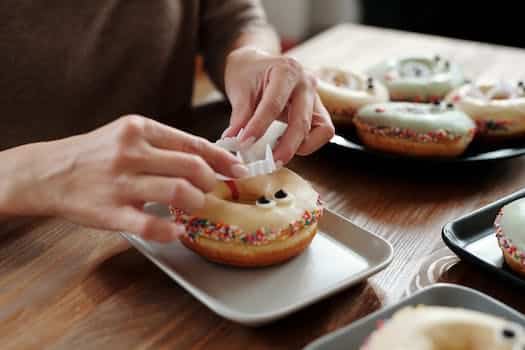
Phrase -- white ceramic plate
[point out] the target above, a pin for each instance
(340, 255)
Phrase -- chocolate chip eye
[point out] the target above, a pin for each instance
(280, 194)
(436, 103)
(521, 83)
(447, 64)
(263, 200)
(508, 333)
(450, 106)
(437, 58)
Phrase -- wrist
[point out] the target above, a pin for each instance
(23, 191)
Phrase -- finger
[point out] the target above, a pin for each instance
(283, 79)
(322, 130)
(242, 111)
(149, 227)
(222, 161)
(146, 188)
(182, 165)
(299, 122)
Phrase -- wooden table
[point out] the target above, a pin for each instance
(69, 287)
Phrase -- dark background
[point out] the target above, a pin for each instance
(497, 22)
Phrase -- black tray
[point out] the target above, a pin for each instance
(474, 154)
(472, 238)
(354, 335)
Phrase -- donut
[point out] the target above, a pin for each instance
(498, 108)
(343, 93)
(511, 238)
(445, 328)
(256, 221)
(418, 78)
(415, 129)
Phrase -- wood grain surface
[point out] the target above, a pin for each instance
(67, 287)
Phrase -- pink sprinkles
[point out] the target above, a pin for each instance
(196, 227)
(506, 244)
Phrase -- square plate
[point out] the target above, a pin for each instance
(472, 237)
(353, 336)
(340, 255)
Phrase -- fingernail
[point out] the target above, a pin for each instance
(225, 132)
(248, 142)
(239, 170)
(178, 230)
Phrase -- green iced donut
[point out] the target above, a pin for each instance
(419, 78)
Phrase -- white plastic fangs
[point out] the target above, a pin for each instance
(258, 158)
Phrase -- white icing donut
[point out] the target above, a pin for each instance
(414, 129)
(510, 234)
(442, 328)
(418, 78)
(254, 221)
(498, 108)
(344, 92)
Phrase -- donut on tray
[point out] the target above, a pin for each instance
(418, 78)
(498, 108)
(511, 236)
(415, 129)
(445, 328)
(255, 221)
(344, 92)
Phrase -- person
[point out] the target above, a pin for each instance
(112, 74)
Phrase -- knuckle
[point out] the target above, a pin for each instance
(330, 130)
(195, 145)
(180, 189)
(274, 107)
(125, 156)
(131, 126)
(196, 164)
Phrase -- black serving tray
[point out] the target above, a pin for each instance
(472, 238)
(476, 153)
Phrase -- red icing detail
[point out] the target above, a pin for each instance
(417, 99)
(380, 110)
(456, 98)
(233, 189)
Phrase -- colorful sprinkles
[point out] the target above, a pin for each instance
(196, 227)
(506, 244)
(431, 136)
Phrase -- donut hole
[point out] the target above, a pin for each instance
(340, 79)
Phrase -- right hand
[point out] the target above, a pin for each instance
(102, 178)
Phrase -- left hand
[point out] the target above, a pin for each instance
(262, 88)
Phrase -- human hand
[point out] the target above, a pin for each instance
(102, 179)
(262, 88)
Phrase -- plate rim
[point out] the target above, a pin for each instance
(317, 343)
(338, 141)
(257, 319)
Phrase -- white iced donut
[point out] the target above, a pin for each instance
(511, 236)
(254, 221)
(344, 92)
(418, 78)
(443, 328)
(498, 108)
(415, 129)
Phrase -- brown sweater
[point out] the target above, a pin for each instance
(69, 66)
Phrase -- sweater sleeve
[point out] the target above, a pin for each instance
(221, 23)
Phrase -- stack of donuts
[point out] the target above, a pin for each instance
(422, 106)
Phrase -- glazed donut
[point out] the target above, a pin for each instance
(511, 238)
(419, 78)
(497, 108)
(255, 221)
(445, 328)
(344, 92)
(415, 129)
